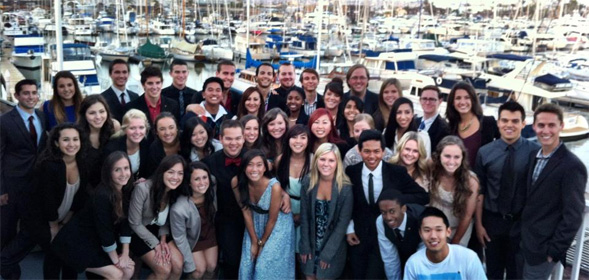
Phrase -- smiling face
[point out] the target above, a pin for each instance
(390, 94)
(309, 82)
(548, 127)
(96, 115)
(232, 140)
(255, 169)
(173, 176)
(430, 102)
(321, 127)
(286, 75)
(167, 131)
(410, 153)
(451, 158)
(294, 101)
(68, 142)
(351, 111)
(358, 80)
(121, 173)
(136, 130)
(510, 125)
(277, 127)
(251, 131)
(119, 75)
(27, 97)
(331, 100)
(298, 143)
(404, 115)
(371, 153)
(359, 127)
(462, 102)
(179, 75)
(199, 181)
(253, 103)
(66, 89)
(199, 137)
(392, 212)
(434, 234)
(153, 87)
(327, 164)
(227, 74)
(213, 94)
(265, 76)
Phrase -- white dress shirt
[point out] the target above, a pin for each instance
(377, 183)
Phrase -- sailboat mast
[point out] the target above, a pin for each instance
(183, 18)
(320, 26)
(58, 35)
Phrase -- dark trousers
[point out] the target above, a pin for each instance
(230, 239)
(53, 266)
(501, 251)
(365, 261)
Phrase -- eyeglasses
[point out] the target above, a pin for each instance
(425, 100)
(358, 78)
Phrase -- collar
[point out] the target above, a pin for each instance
(377, 172)
(539, 155)
(118, 91)
(219, 114)
(503, 145)
(314, 101)
(403, 225)
(158, 104)
(430, 120)
(178, 89)
(25, 115)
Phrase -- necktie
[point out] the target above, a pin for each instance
(421, 126)
(370, 189)
(398, 234)
(123, 99)
(33, 130)
(181, 102)
(230, 161)
(506, 183)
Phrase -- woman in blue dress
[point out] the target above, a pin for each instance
(65, 104)
(268, 242)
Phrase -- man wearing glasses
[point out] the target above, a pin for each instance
(431, 122)
(357, 79)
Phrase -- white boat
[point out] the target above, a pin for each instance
(162, 27)
(78, 59)
(183, 50)
(14, 25)
(80, 26)
(28, 52)
(401, 65)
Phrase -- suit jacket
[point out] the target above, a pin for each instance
(411, 239)
(168, 105)
(141, 215)
(120, 144)
(554, 207)
(185, 226)
(18, 152)
(235, 99)
(334, 248)
(114, 102)
(370, 101)
(438, 130)
(364, 215)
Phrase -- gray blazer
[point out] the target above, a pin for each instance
(340, 213)
(185, 226)
(141, 215)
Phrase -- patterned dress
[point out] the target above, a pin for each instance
(276, 260)
(321, 216)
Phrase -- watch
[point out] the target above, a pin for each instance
(260, 242)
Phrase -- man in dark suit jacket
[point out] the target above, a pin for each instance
(178, 91)
(555, 197)
(152, 103)
(436, 127)
(22, 138)
(119, 74)
(265, 77)
(369, 179)
(398, 232)
(310, 80)
(357, 79)
(231, 97)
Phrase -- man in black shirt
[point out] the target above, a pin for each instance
(178, 91)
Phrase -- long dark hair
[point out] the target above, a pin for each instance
(210, 194)
(119, 200)
(158, 188)
(57, 104)
(392, 124)
(452, 114)
(269, 143)
(107, 129)
(243, 180)
(164, 115)
(244, 120)
(242, 111)
(52, 152)
(186, 141)
(283, 170)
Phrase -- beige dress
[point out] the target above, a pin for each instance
(444, 203)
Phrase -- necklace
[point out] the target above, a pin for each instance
(467, 126)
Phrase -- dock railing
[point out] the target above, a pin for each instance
(577, 247)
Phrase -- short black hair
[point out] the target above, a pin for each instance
(229, 124)
(265, 64)
(434, 88)
(24, 82)
(512, 106)
(393, 195)
(549, 108)
(177, 62)
(433, 212)
(115, 62)
(213, 80)
(368, 135)
(224, 62)
(151, 71)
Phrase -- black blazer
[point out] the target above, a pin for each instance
(168, 105)
(52, 184)
(365, 215)
(370, 101)
(235, 99)
(120, 144)
(438, 130)
(117, 110)
(18, 152)
(411, 239)
(553, 211)
(156, 155)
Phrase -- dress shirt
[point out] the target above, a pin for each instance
(118, 93)
(154, 111)
(311, 107)
(489, 167)
(388, 250)
(36, 121)
(377, 183)
(428, 122)
(541, 161)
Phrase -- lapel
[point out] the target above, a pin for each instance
(18, 121)
(553, 162)
(433, 129)
(333, 202)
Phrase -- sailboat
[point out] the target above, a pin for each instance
(117, 49)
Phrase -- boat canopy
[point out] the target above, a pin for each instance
(507, 56)
(150, 50)
(551, 80)
(439, 58)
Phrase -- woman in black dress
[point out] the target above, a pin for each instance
(99, 224)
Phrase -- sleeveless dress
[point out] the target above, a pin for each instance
(294, 191)
(207, 238)
(321, 217)
(445, 204)
(276, 260)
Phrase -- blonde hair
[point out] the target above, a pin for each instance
(366, 118)
(422, 166)
(131, 114)
(340, 176)
(384, 109)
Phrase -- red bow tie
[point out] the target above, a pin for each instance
(230, 161)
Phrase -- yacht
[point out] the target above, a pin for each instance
(78, 59)
(28, 52)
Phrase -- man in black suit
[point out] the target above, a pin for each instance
(398, 232)
(286, 77)
(310, 80)
(430, 99)
(357, 79)
(369, 179)
(231, 98)
(178, 91)
(265, 77)
(117, 95)
(22, 139)
(555, 198)
(152, 103)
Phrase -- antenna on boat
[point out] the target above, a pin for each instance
(58, 35)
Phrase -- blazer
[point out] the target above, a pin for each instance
(335, 246)
(155, 156)
(185, 226)
(553, 211)
(52, 183)
(141, 215)
(18, 152)
(370, 101)
(117, 110)
(438, 130)
(168, 105)
(235, 99)
(120, 144)
(364, 215)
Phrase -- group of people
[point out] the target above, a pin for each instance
(282, 182)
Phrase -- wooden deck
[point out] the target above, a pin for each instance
(10, 73)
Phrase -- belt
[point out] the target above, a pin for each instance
(506, 217)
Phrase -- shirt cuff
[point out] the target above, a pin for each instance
(125, 239)
(350, 227)
(110, 248)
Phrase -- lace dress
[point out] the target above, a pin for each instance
(445, 204)
(321, 216)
